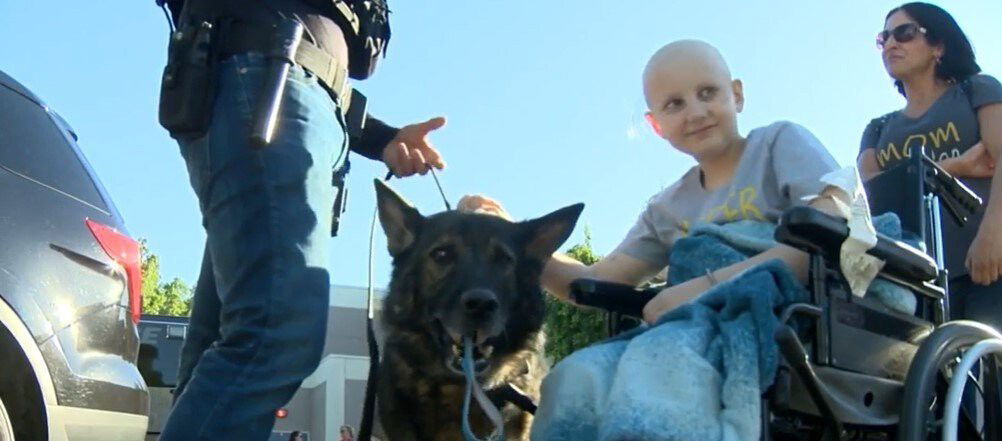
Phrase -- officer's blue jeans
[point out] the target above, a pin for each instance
(259, 314)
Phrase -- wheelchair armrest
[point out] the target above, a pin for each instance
(813, 231)
(611, 297)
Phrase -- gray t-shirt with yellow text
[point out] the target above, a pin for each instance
(947, 129)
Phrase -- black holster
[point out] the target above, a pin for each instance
(187, 88)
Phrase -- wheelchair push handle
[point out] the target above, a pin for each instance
(612, 297)
(959, 200)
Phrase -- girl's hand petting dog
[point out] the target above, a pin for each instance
(475, 203)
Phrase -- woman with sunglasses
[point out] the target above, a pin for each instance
(955, 112)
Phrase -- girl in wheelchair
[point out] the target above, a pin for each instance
(750, 181)
(610, 391)
(693, 104)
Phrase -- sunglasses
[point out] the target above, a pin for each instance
(902, 34)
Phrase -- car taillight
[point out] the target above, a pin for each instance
(124, 251)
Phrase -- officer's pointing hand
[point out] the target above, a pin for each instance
(410, 151)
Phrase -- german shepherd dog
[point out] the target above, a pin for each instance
(459, 275)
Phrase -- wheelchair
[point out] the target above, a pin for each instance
(853, 368)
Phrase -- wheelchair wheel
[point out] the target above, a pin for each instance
(928, 379)
(6, 430)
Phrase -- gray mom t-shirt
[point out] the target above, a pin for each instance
(781, 163)
(947, 129)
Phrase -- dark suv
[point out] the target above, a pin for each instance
(70, 287)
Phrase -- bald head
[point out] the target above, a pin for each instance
(687, 58)
(692, 100)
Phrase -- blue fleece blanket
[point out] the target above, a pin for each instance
(696, 374)
(711, 246)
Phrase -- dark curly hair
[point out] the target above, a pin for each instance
(958, 61)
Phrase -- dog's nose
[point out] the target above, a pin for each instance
(479, 302)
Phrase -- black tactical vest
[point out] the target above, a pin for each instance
(366, 27)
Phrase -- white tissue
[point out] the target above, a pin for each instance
(859, 268)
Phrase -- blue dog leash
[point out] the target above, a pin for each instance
(473, 388)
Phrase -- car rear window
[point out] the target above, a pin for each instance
(31, 144)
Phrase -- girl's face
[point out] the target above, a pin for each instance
(694, 108)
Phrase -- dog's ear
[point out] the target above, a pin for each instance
(544, 235)
(400, 220)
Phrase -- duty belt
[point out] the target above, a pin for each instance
(240, 37)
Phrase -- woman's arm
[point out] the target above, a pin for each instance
(866, 161)
(984, 258)
(867, 164)
(976, 162)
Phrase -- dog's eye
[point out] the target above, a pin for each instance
(443, 255)
(502, 257)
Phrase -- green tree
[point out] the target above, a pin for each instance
(569, 327)
(170, 298)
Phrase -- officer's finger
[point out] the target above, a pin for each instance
(432, 124)
(431, 156)
(417, 162)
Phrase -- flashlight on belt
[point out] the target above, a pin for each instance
(281, 57)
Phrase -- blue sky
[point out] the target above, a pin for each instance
(543, 100)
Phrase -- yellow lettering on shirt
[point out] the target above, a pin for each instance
(942, 137)
(747, 204)
(942, 134)
(746, 209)
(885, 154)
(918, 138)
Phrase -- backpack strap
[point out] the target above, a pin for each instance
(967, 87)
(880, 123)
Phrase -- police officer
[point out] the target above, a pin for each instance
(259, 314)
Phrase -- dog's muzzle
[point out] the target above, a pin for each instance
(481, 358)
(476, 316)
